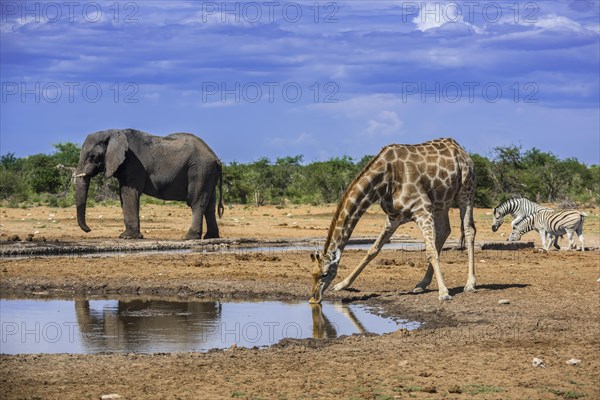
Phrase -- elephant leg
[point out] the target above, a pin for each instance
(199, 205)
(195, 231)
(130, 202)
(212, 229)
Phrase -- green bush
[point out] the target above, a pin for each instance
(537, 175)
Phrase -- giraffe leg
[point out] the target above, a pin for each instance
(465, 203)
(390, 227)
(442, 231)
(430, 226)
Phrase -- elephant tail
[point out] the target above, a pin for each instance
(220, 209)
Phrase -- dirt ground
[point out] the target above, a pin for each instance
(470, 347)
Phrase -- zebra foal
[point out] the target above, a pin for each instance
(519, 208)
(549, 222)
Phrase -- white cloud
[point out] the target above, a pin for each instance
(387, 123)
(303, 139)
(446, 57)
(434, 14)
(437, 14)
(359, 106)
(152, 96)
(558, 23)
(552, 22)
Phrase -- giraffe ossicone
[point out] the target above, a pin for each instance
(412, 183)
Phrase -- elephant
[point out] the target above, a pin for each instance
(175, 167)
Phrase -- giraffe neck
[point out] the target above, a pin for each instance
(353, 205)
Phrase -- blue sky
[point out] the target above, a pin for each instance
(321, 79)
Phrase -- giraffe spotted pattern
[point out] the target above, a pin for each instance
(412, 183)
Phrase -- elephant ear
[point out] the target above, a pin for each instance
(115, 152)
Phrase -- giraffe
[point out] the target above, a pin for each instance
(412, 183)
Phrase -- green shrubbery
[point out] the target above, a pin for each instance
(43, 179)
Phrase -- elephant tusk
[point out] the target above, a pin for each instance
(81, 175)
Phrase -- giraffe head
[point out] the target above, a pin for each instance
(323, 272)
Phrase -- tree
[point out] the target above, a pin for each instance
(330, 178)
(66, 154)
(507, 168)
(235, 186)
(41, 174)
(484, 192)
(285, 171)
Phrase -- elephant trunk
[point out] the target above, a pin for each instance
(82, 184)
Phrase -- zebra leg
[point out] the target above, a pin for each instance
(579, 232)
(555, 242)
(515, 222)
(571, 240)
(544, 237)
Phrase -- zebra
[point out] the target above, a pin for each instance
(549, 222)
(519, 208)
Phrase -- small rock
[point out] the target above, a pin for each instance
(538, 362)
(573, 361)
(36, 232)
(598, 280)
(503, 301)
(100, 216)
(111, 396)
(289, 215)
(455, 389)
(502, 234)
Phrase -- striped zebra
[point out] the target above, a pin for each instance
(518, 208)
(549, 222)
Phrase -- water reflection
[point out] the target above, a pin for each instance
(135, 324)
(150, 325)
(322, 327)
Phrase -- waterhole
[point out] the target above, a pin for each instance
(28, 250)
(155, 326)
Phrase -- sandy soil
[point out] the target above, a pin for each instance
(160, 222)
(471, 347)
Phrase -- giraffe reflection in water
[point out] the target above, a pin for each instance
(323, 328)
